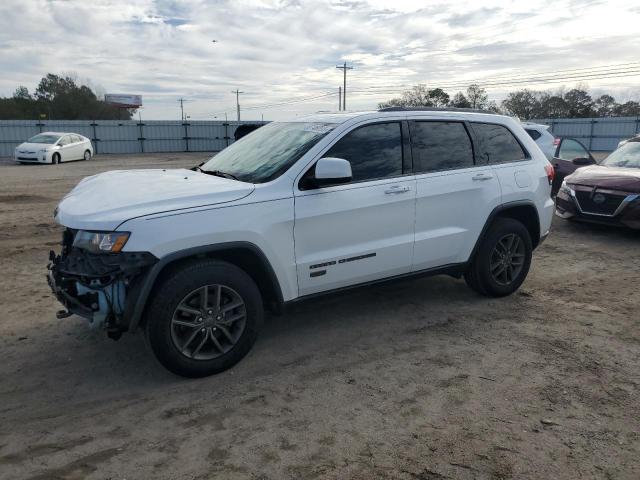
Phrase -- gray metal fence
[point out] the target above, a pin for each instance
(597, 134)
(127, 136)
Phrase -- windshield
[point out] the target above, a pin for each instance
(42, 138)
(627, 156)
(267, 152)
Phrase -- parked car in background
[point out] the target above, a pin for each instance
(543, 138)
(54, 147)
(245, 129)
(622, 142)
(605, 193)
(569, 155)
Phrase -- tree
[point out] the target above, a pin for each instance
(579, 103)
(552, 106)
(522, 103)
(460, 101)
(59, 97)
(628, 109)
(418, 96)
(438, 97)
(477, 96)
(604, 105)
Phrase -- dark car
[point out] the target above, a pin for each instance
(605, 193)
(570, 155)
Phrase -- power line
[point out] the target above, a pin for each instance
(494, 82)
(591, 73)
(514, 76)
(344, 69)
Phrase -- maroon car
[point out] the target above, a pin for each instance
(605, 193)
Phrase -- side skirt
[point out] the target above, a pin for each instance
(455, 270)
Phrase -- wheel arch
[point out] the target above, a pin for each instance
(523, 211)
(247, 256)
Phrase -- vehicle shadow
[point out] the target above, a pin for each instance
(383, 317)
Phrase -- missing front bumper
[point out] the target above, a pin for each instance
(96, 286)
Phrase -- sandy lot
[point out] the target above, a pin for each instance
(416, 380)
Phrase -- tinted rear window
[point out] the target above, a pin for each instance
(440, 146)
(497, 144)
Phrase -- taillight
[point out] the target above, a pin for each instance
(551, 172)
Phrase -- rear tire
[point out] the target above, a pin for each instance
(204, 318)
(55, 159)
(87, 155)
(502, 260)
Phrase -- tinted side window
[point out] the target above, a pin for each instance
(66, 140)
(533, 133)
(571, 149)
(375, 151)
(497, 144)
(440, 146)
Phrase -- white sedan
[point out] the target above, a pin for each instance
(54, 147)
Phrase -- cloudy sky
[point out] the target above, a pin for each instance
(283, 53)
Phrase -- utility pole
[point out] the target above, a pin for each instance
(181, 108)
(339, 98)
(237, 92)
(344, 69)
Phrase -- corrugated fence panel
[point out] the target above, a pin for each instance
(127, 136)
(117, 137)
(597, 134)
(164, 137)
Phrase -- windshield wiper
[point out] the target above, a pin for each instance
(217, 173)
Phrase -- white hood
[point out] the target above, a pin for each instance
(34, 147)
(104, 201)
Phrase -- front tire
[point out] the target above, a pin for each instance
(502, 260)
(204, 318)
(55, 159)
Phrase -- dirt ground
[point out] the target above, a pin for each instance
(421, 379)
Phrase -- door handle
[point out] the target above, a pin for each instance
(481, 177)
(396, 189)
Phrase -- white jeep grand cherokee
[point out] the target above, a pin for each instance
(297, 209)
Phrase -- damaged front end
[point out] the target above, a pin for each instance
(97, 285)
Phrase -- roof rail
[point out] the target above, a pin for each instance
(435, 109)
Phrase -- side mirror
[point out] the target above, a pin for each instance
(582, 161)
(332, 171)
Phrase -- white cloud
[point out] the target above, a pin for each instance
(278, 50)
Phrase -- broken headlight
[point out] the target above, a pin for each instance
(101, 242)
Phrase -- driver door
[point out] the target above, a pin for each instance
(359, 231)
(66, 148)
(563, 161)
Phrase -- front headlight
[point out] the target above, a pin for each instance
(565, 188)
(43, 150)
(101, 242)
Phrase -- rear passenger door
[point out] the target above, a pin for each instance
(499, 148)
(76, 146)
(454, 195)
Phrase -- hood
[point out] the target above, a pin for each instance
(34, 147)
(104, 201)
(624, 179)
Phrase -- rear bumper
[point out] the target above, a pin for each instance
(626, 215)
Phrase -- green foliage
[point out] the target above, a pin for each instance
(525, 104)
(59, 98)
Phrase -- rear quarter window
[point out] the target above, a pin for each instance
(533, 133)
(496, 144)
